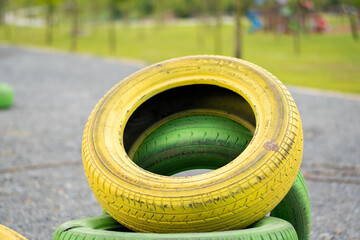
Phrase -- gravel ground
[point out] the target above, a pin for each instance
(41, 176)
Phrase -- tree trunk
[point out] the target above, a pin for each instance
(159, 13)
(49, 22)
(112, 36)
(8, 32)
(112, 27)
(203, 27)
(297, 42)
(354, 26)
(296, 31)
(2, 11)
(7, 27)
(75, 25)
(94, 15)
(218, 27)
(238, 29)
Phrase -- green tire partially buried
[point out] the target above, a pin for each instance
(106, 228)
(6, 95)
(295, 208)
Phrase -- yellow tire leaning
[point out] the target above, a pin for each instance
(230, 197)
(9, 234)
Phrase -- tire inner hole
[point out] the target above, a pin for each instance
(191, 143)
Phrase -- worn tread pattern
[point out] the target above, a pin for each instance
(153, 214)
(191, 142)
(295, 208)
(235, 205)
(130, 206)
(106, 228)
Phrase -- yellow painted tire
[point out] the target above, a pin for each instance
(9, 234)
(230, 197)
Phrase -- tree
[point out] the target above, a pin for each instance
(50, 8)
(240, 6)
(202, 13)
(218, 27)
(2, 11)
(74, 11)
(296, 24)
(95, 8)
(238, 29)
(159, 7)
(216, 8)
(113, 9)
(352, 10)
(354, 3)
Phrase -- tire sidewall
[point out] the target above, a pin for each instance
(265, 171)
(258, 87)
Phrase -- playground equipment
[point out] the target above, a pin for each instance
(255, 22)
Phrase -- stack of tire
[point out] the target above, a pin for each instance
(197, 112)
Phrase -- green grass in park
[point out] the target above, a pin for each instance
(328, 61)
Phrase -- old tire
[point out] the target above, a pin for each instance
(190, 141)
(178, 144)
(6, 95)
(231, 197)
(9, 234)
(106, 228)
(295, 208)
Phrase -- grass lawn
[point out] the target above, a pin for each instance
(328, 61)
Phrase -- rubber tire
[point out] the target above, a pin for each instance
(6, 95)
(190, 142)
(189, 122)
(106, 228)
(9, 234)
(104, 213)
(184, 138)
(231, 197)
(295, 208)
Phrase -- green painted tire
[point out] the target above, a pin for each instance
(295, 208)
(199, 141)
(106, 228)
(6, 95)
(164, 159)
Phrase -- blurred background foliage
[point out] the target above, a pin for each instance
(305, 43)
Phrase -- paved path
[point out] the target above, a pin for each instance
(42, 182)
